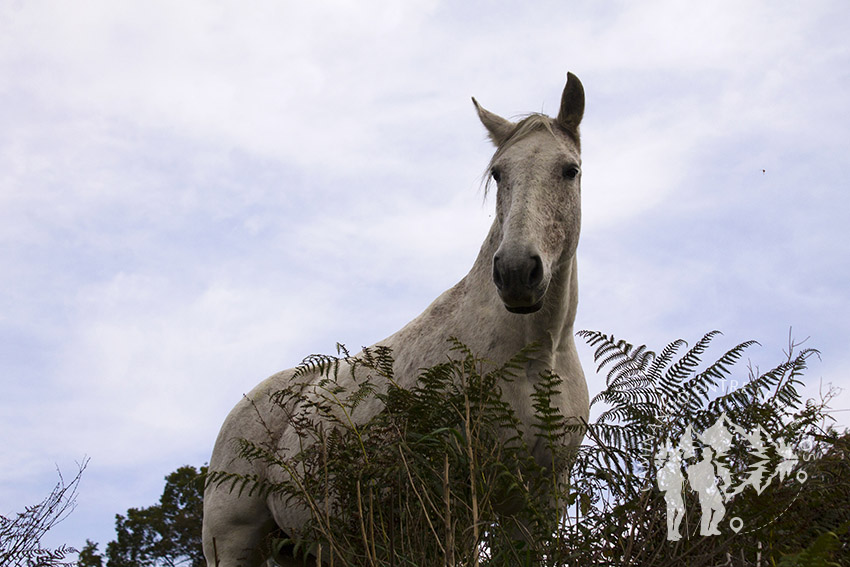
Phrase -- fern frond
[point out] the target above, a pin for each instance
(322, 364)
(661, 361)
(687, 364)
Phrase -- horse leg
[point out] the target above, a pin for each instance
(236, 528)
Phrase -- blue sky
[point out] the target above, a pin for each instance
(196, 195)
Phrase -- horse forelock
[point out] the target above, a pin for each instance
(525, 127)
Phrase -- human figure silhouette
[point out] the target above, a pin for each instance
(702, 476)
(671, 481)
(719, 438)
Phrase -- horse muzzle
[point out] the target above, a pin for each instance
(521, 281)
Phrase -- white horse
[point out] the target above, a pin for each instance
(522, 289)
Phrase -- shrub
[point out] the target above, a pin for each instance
(426, 481)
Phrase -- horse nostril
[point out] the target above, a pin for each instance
(497, 274)
(535, 276)
(519, 276)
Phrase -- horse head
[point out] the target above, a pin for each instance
(537, 171)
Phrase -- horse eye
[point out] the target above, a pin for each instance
(569, 172)
(496, 174)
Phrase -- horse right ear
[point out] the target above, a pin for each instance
(498, 128)
(572, 105)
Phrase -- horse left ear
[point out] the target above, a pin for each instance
(572, 105)
(499, 128)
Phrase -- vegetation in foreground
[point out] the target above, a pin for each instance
(422, 483)
(425, 481)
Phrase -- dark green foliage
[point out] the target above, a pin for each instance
(89, 557)
(651, 398)
(442, 471)
(165, 534)
(818, 552)
(441, 474)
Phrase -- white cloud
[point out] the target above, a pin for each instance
(282, 79)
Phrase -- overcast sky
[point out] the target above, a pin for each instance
(195, 195)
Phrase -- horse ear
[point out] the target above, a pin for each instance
(572, 105)
(498, 128)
